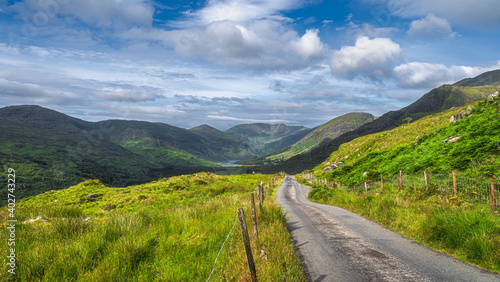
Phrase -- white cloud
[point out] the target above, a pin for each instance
(427, 75)
(430, 26)
(221, 42)
(309, 45)
(259, 45)
(368, 57)
(242, 10)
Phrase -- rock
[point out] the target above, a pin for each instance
(38, 219)
(460, 115)
(333, 166)
(263, 254)
(452, 139)
(366, 173)
(346, 157)
(89, 218)
(491, 97)
(92, 196)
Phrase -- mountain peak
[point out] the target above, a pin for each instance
(40, 115)
(204, 128)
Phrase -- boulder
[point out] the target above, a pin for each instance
(492, 97)
(452, 139)
(460, 115)
(333, 166)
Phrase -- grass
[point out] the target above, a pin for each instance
(167, 230)
(468, 232)
(418, 146)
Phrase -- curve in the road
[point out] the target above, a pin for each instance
(337, 245)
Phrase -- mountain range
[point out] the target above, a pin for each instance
(437, 100)
(51, 150)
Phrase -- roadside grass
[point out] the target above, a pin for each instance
(167, 230)
(468, 232)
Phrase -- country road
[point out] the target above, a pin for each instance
(337, 245)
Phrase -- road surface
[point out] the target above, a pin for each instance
(337, 245)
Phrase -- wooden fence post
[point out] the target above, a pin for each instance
(400, 178)
(254, 216)
(246, 242)
(366, 188)
(382, 182)
(455, 184)
(399, 183)
(426, 179)
(493, 202)
(260, 197)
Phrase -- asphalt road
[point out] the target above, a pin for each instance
(337, 245)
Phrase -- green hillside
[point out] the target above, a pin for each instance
(167, 230)
(324, 133)
(258, 135)
(420, 145)
(437, 100)
(50, 150)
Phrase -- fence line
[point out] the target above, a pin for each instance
(261, 191)
(449, 185)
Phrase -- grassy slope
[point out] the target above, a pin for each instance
(415, 147)
(328, 131)
(167, 230)
(437, 100)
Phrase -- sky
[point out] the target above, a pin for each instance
(229, 62)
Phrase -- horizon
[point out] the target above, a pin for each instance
(228, 62)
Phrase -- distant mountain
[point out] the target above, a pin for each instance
(222, 145)
(285, 142)
(51, 150)
(144, 138)
(260, 135)
(324, 133)
(437, 100)
(487, 78)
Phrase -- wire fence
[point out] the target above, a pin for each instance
(265, 190)
(449, 185)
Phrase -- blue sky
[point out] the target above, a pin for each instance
(227, 62)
